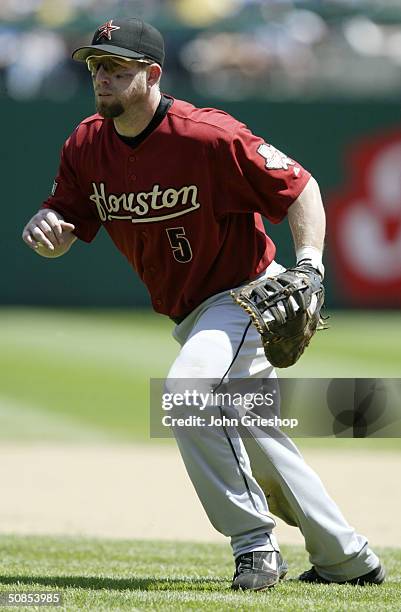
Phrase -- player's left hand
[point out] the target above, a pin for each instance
(285, 310)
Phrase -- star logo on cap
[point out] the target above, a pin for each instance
(106, 29)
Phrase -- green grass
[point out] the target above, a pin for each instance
(123, 575)
(90, 369)
(357, 344)
(68, 375)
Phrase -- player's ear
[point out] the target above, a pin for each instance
(154, 74)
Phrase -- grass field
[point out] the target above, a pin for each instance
(85, 374)
(119, 575)
(69, 376)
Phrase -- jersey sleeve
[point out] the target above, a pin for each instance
(262, 179)
(68, 199)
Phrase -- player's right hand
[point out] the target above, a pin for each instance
(48, 234)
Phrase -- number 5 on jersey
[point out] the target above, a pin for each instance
(180, 245)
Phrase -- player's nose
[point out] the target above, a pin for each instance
(102, 75)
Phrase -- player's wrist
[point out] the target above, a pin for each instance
(312, 256)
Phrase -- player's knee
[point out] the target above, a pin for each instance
(189, 367)
(188, 387)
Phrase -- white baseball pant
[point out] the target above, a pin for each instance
(223, 468)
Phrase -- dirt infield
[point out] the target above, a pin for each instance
(143, 492)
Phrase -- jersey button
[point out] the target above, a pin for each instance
(158, 302)
(132, 158)
(144, 234)
(133, 177)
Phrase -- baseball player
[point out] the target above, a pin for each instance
(181, 191)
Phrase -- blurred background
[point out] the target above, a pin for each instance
(321, 80)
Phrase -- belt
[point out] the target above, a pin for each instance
(178, 320)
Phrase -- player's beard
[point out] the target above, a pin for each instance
(109, 111)
(115, 109)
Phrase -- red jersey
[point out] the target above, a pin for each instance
(184, 206)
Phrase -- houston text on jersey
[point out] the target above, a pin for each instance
(140, 205)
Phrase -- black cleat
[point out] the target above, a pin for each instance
(376, 576)
(258, 570)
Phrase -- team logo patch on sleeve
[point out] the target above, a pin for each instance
(275, 159)
(54, 187)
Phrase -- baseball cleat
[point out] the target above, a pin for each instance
(376, 576)
(258, 570)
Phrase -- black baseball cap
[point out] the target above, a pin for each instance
(131, 38)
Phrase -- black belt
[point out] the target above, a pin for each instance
(178, 320)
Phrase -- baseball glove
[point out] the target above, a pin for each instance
(285, 309)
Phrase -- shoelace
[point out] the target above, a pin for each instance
(246, 563)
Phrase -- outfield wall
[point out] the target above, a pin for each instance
(344, 145)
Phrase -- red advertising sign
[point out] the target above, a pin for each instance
(364, 223)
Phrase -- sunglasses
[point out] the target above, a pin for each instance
(110, 63)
